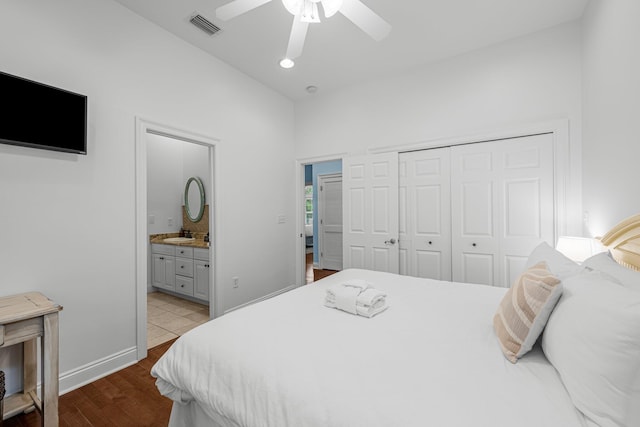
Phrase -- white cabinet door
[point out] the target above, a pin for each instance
(370, 212)
(163, 271)
(425, 207)
(330, 221)
(201, 276)
(502, 206)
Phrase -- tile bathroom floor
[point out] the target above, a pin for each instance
(168, 317)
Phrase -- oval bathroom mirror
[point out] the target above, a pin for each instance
(194, 199)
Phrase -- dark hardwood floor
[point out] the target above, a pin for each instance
(126, 398)
(313, 274)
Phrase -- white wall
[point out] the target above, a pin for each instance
(67, 223)
(165, 183)
(611, 115)
(170, 164)
(528, 80)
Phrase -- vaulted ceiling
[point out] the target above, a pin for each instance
(337, 53)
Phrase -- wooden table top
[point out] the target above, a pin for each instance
(14, 308)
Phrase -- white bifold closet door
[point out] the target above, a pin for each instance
(502, 206)
(425, 220)
(370, 212)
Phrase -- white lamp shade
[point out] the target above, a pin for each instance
(578, 248)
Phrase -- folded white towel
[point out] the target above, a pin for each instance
(345, 298)
(356, 297)
(370, 312)
(360, 284)
(371, 298)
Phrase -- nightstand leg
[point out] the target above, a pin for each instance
(30, 366)
(50, 370)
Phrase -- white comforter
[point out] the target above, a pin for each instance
(431, 359)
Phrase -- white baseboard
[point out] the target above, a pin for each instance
(90, 372)
(266, 297)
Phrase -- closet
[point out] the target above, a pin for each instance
(473, 212)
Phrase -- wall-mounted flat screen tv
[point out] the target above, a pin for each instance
(35, 115)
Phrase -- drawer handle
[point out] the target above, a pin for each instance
(182, 286)
(182, 266)
(474, 245)
(162, 258)
(206, 265)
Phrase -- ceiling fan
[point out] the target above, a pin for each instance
(305, 12)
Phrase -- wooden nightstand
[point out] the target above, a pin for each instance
(24, 318)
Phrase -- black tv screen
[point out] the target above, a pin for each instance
(35, 115)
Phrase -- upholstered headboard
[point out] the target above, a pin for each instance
(623, 241)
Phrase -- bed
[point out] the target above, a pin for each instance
(431, 359)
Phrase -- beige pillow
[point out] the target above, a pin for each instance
(525, 309)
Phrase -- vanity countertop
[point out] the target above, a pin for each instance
(197, 243)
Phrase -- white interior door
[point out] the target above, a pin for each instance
(330, 221)
(370, 212)
(425, 208)
(527, 201)
(502, 206)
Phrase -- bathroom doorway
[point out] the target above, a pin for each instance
(175, 291)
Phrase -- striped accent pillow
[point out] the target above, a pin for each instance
(525, 309)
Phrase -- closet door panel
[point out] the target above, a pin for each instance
(522, 208)
(474, 213)
(478, 268)
(429, 264)
(425, 207)
(477, 209)
(528, 201)
(404, 242)
(502, 206)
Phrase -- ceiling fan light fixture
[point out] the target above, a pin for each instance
(310, 12)
(287, 63)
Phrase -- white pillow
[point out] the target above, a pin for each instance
(558, 264)
(605, 263)
(592, 338)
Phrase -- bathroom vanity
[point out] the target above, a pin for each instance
(181, 269)
(180, 262)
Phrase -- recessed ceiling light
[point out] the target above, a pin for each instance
(287, 63)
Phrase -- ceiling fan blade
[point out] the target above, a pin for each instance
(237, 7)
(365, 18)
(297, 37)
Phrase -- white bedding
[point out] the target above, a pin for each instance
(431, 359)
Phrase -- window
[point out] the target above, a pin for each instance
(308, 203)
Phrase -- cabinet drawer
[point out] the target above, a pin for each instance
(184, 267)
(163, 249)
(184, 285)
(184, 252)
(202, 254)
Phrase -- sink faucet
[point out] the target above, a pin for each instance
(187, 233)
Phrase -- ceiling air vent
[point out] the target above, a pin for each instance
(204, 24)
